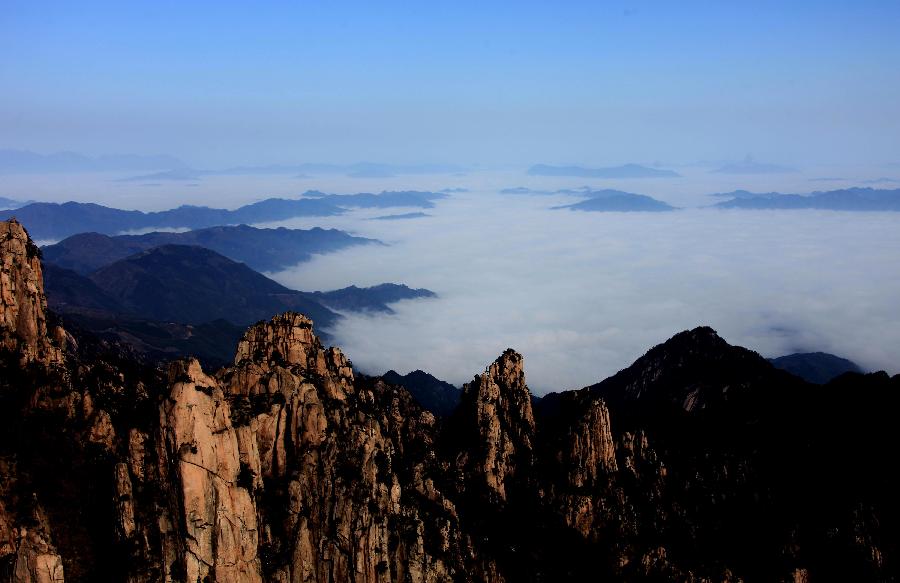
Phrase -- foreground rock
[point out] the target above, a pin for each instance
(700, 462)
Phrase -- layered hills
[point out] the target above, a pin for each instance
(699, 462)
(47, 220)
(260, 249)
(848, 199)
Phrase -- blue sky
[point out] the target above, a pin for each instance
(500, 83)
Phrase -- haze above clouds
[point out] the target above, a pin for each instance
(764, 96)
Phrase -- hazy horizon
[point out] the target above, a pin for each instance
(794, 98)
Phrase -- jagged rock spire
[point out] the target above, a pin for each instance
(497, 407)
(23, 307)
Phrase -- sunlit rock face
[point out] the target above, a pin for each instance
(700, 462)
(23, 307)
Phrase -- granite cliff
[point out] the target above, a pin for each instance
(700, 462)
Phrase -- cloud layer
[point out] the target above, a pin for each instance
(581, 295)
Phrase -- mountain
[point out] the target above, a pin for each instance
(385, 199)
(47, 220)
(155, 300)
(815, 367)
(370, 299)
(8, 203)
(617, 201)
(624, 171)
(749, 166)
(848, 199)
(23, 161)
(699, 462)
(57, 221)
(433, 394)
(180, 283)
(523, 190)
(400, 217)
(261, 249)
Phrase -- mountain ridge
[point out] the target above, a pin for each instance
(700, 461)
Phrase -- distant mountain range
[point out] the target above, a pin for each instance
(260, 249)
(624, 171)
(700, 461)
(190, 284)
(617, 201)
(816, 367)
(154, 294)
(386, 199)
(369, 299)
(582, 191)
(23, 161)
(848, 199)
(439, 397)
(8, 203)
(47, 220)
(400, 217)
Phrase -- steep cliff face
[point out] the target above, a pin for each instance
(700, 462)
(23, 318)
(498, 426)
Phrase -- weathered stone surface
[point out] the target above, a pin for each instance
(287, 466)
(219, 516)
(498, 406)
(23, 307)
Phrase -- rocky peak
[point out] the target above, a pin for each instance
(496, 406)
(693, 371)
(287, 341)
(592, 449)
(23, 307)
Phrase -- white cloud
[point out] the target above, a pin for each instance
(581, 295)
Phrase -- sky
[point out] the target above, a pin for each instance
(495, 87)
(473, 83)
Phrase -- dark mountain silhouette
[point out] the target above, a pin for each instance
(47, 220)
(261, 249)
(848, 199)
(439, 397)
(85, 306)
(180, 283)
(815, 367)
(57, 221)
(385, 199)
(617, 201)
(699, 462)
(154, 299)
(370, 299)
(400, 217)
(624, 171)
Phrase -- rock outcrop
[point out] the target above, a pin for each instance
(23, 307)
(700, 462)
(496, 411)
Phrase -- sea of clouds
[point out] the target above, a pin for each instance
(582, 295)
